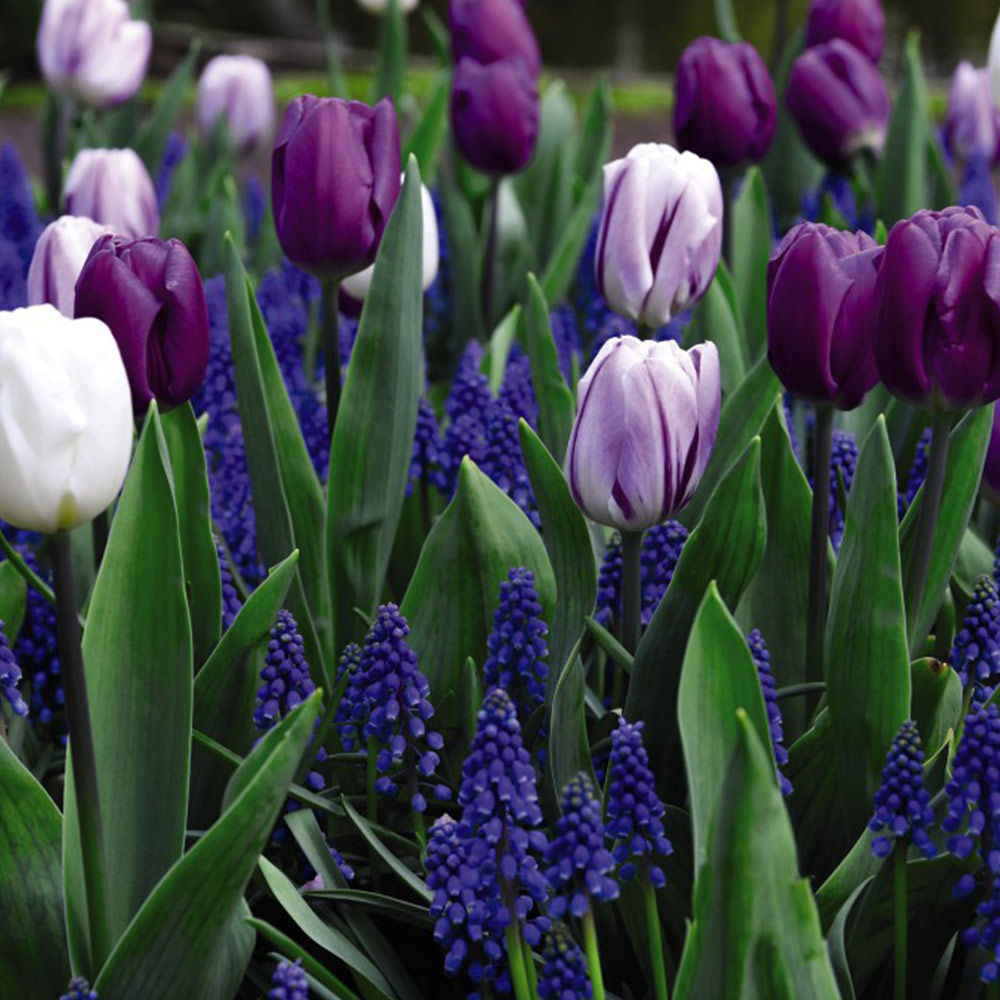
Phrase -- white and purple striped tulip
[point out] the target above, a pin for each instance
(238, 89)
(660, 234)
(60, 254)
(113, 187)
(647, 418)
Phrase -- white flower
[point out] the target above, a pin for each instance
(113, 187)
(239, 89)
(60, 254)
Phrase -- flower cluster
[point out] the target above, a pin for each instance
(19, 228)
(289, 982)
(986, 934)
(426, 458)
(975, 653)
(974, 792)
(843, 461)
(918, 471)
(79, 989)
(231, 603)
(10, 676)
(762, 661)
(902, 804)
(564, 974)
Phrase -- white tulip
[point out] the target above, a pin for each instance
(65, 419)
(60, 254)
(239, 89)
(113, 187)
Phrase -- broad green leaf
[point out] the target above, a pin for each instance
(568, 748)
(755, 931)
(857, 868)
(975, 559)
(373, 438)
(494, 362)
(717, 679)
(717, 318)
(172, 946)
(138, 662)
(428, 136)
(151, 141)
(595, 132)
(726, 547)
(33, 960)
(466, 276)
(13, 600)
(751, 250)
(943, 192)
(455, 588)
(562, 264)
(838, 945)
(937, 702)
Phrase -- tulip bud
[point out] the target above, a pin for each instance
(820, 314)
(334, 182)
(647, 417)
(238, 89)
(971, 127)
(839, 101)
(113, 187)
(487, 31)
(494, 114)
(660, 233)
(59, 257)
(92, 51)
(860, 22)
(725, 103)
(937, 301)
(993, 62)
(65, 422)
(356, 285)
(149, 293)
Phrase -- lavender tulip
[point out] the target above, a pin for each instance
(839, 101)
(660, 233)
(487, 31)
(92, 51)
(238, 89)
(113, 187)
(971, 128)
(645, 427)
(820, 314)
(937, 298)
(334, 182)
(725, 104)
(59, 257)
(860, 22)
(494, 113)
(150, 294)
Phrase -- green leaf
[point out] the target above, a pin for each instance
(201, 562)
(562, 264)
(466, 280)
(373, 438)
(138, 662)
(334, 71)
(726, 547)
(975, 559)
(151, 141)
(568, 747)
(755, 932)
(613, 649)
(851, 874)
(33, 960)
(455, 588)
(390, 65)
(388, 906)
(494, 362)
(838, 945)
(13, 600)
(595, 134)
(751, 250)
(725, 21)
(175, 941)
(717, 679)
(937, 702)
(717, 318)
(428, 136)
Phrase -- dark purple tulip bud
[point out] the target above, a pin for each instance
(820, 315)
(937, 299)
(840, 102)
(149, 293)
(860, 22)
(334, 182)
(991, 471)
(494, 114)
(725, 102)
(486, 31)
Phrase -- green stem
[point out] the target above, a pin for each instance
(631, 589)
(100, 528)
(794, 690)
(818, 550)
(81, 742)
(331, 350)
(30, 577)
(334, 73)
(529, 965)
(515, 958)
(371, 800)
(655, 940)
(899, 919)
(993, 990)
(490, 259)
(57, 134)
(930, 504)
(390, 64)
(593, 955)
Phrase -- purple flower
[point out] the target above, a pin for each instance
(149, 293)
(239, 90)
(231, 603)
(860, 22)
(975, 652)
(971, 128)
(725, 105)
(487, 31)
(645, 427)
(10, 676)
(61, 252)
(820, 314)
(840, 102)
(289, 982)
(762, 661)
(79, 989)
(334, 182)
(937, 305)
(564, 974)
(843, 461)
(113, 187)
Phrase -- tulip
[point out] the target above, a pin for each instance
(356, 286)
(660, 233)
(150, 294)
(993, 62)
(860, 22)
(239, 90)
(820, 314)
(91, 50)
(971, 127)
(334, 182)
(113, 187)
(65, 422)
(59, 256)
(487, 31)
(839, 101)
(725, 105)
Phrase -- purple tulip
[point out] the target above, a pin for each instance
(487, 31)
(937, 301)
(660, 233)
(725, 102)
(860, 22)
(991, 470)
(972, 127)
(238, 89)
(334, 182)
(149, 293)
(840, 102)
(60, 254)
(820, 314)
(494, 114)
(113, 187)
(645, 427)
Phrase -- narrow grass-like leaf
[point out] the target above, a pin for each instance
(717, 318)
(151, 141)
(429, 133)
(13, 600)
(751, 250)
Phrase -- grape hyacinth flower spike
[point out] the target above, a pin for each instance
(79, 989)
(975, 652)
(564, 974)
(762, 661)
(10, 677)
(289, 982)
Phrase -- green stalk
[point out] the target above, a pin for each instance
(30, 577)
(371, 800)
(794, 690)
(390, 65)
(593, 955)
(331, 350)
(899, 920)
(490, 261)
(515, 957)
(334, 73)
(529, 965)
(100, 527)
(631, 589)
(818, 550)
(655, 944)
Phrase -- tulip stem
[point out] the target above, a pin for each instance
(920, 563)
(100, 528)
(653, 933)
(334, 73)
(593, 954)
(819, 550)
(631, 589)
(331, 351)
(81, 742)
(490, 258)
(899, 919)
(56, 133)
